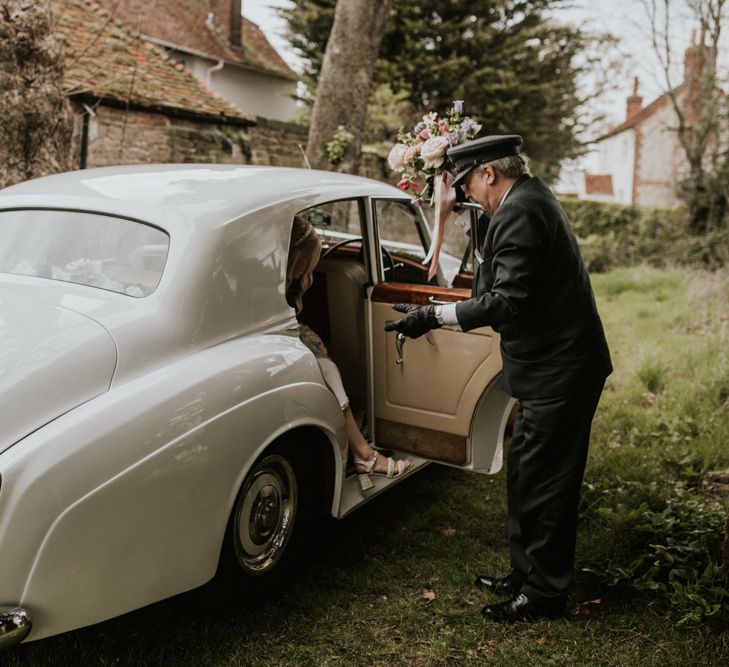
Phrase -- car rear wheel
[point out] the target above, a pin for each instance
(266, 539)
(265, 515)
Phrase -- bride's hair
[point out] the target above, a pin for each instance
(304, 244)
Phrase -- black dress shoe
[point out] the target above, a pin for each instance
(520, 609)
(500, 585)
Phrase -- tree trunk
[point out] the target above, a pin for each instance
(35, 119)
(344, 84)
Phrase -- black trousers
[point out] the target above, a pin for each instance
(545, 465)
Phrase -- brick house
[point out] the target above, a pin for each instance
(641, 162)
(228, 53)
(133, 102)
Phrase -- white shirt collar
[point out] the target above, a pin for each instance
(505, 195)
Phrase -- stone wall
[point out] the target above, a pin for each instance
(117, 136)
(277, 143)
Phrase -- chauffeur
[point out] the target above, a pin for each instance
(533, 289)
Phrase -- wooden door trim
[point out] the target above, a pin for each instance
(417, 294)
(433, 445)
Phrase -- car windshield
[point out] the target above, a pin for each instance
(84, 248)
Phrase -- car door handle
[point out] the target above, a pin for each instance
(399, 342)
(399, 265)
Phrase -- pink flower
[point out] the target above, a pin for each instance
(424, 134)
(410, 153)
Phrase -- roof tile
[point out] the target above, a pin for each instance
(106, 59)
(184, 23)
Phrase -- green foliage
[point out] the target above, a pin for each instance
(612, 235)
(516, 70)
(652, 376)
(36, 123)
(684, 337)
(667, 543)
(337, 147)
(387, 112)
(640, 281)
(651, 525)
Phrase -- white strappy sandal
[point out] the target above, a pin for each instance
(365, 483)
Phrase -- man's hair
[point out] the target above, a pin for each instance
(511, 166)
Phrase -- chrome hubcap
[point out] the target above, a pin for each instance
(265, 514)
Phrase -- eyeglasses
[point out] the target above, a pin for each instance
(468, 178)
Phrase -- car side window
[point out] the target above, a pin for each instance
(404, 245)
(338, 224)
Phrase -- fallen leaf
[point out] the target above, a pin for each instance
(575, 608)
(542, 640)
(448, 532)
(427, 594)
(486, 647)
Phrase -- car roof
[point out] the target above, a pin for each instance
(199, 193)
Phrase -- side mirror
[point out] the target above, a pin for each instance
(319, 219)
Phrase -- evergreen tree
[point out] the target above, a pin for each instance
(516, 68)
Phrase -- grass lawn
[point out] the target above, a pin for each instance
(392, 584)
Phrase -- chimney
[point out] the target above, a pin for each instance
(227, 20)
(634, 103)
(699, 59)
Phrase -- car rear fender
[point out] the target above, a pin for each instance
(124, 501)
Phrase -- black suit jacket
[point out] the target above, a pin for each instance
(533, 288)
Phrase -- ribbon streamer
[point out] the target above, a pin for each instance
(445, 200)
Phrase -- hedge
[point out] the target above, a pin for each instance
(612, 235)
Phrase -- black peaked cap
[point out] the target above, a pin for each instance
(469, 155)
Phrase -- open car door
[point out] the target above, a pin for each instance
(438, 396)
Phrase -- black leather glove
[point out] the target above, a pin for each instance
(417, 321)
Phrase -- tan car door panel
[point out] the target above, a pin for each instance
(427, 389)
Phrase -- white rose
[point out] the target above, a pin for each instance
(433, 152)
(396, 158)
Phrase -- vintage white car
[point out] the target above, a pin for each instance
(161, 420)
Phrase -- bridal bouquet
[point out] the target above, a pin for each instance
(419, 156)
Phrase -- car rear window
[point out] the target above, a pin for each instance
(85, 248)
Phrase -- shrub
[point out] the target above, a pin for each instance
(664, 541)
(612, 235)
